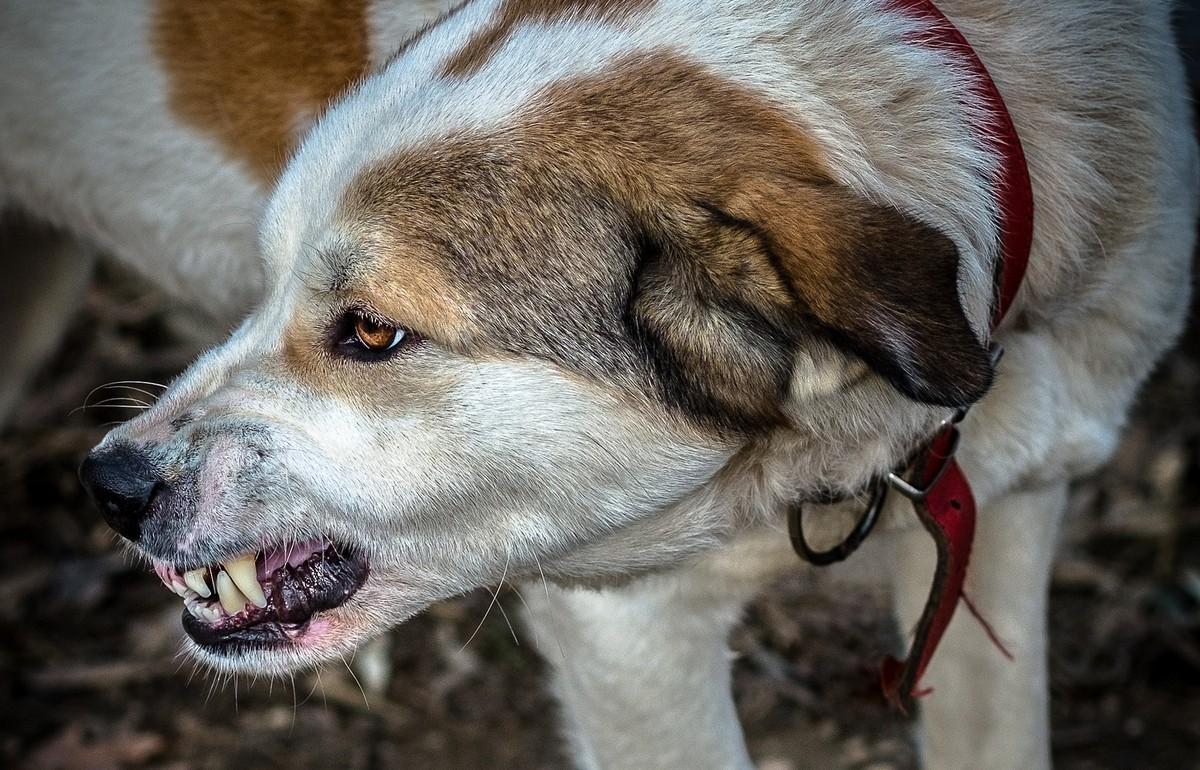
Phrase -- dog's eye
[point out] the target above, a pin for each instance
(368, 338)
(375, 336)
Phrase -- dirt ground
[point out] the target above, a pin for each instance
(89, 676)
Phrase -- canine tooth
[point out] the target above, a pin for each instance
(244, 574)
(195, 581)
(231, 598)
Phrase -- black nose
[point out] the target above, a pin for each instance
(121, 480)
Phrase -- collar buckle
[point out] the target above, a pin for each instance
(936, 461)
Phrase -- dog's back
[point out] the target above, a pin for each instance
(1099, 97)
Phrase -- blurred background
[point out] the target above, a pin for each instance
(90, 678)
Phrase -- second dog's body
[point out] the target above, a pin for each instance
(596, 290)
(152, 132)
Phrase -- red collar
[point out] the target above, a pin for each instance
(1015, 194)
(944, 502)
(937, 487)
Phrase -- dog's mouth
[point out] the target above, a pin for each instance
(265, 599)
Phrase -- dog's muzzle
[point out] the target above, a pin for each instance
(257, 599)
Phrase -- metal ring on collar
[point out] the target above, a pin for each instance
(850, 544)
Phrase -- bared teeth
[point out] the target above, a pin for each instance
(231, 598)
(244, 574)
(196, 581)
(205, 611)
(235, 587)
(171, 579)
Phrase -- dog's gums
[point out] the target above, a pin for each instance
(265, 599)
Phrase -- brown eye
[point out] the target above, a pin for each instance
(377, 337)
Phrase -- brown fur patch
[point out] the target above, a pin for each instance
(252, 73)
(866, 276)
(513, 13)
(658, 226)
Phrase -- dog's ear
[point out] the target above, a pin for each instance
(707, 315)
(721, 309)
(877, 281)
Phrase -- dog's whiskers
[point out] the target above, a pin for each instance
(537, 639)
(126, 385)
(503, 614)
(355, 678)
(142, 391)
(295, 705)
(495, 596)
(321, 684)
(192, 675)
(114, 401)
(212, 686)
(312, 691)
(117, 402)
(550, 608)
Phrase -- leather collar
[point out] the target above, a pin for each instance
(935, 484)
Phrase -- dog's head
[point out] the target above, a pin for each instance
(569, 339)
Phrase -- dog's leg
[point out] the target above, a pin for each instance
(45, 271)
(985, 711)
(642, 672)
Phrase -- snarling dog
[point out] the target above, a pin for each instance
(598, 289)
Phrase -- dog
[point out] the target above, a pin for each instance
(597, 290)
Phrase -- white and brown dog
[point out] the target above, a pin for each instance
(596, 290)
